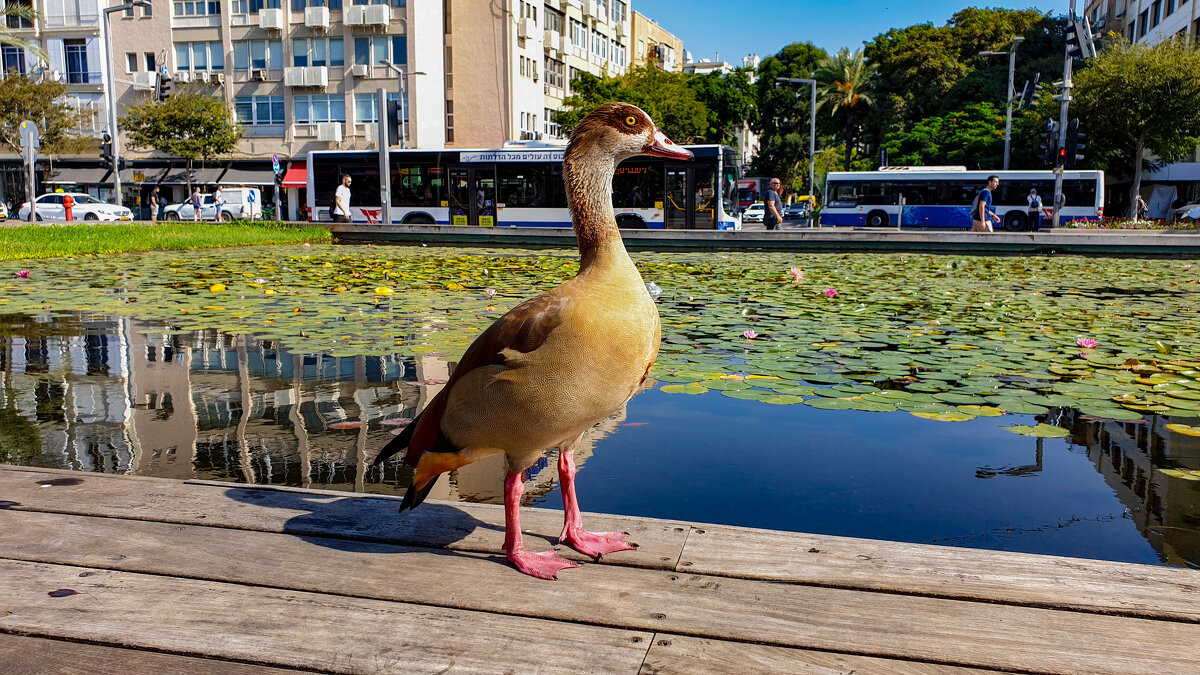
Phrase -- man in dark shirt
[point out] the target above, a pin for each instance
(773, 213)
(982, 214)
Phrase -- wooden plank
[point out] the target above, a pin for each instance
(298, 630)
(439, 524)
(943, 571)
(789, 615)
(681, 655)
(39, 656)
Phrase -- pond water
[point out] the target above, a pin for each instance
(937, 399)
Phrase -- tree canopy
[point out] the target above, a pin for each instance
(665, 96)
(190, 125)
(23, 98)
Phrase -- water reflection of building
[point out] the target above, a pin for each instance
(1128, 455)
(119, 395)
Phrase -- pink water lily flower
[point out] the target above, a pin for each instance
(24, 274)
(830, 292)
(1086, 343)
(490, 292)
(750, 335)
(796, 273)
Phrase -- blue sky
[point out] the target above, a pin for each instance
(736, 27)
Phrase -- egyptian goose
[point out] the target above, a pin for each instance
(555, 365)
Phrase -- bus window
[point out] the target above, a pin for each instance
(637, 185)
(675, 214)
(524, 185)
(706, 197)
(842, 192)
(729, 189)
(1079, 192)
(416, 186)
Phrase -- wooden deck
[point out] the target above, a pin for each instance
(197, 577)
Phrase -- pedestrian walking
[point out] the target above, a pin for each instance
(341, 202)
(773, 213)
(154, 205)
(1035, 210)
(197, 204)
(218, 202)
(1143, 209)
(982, 214)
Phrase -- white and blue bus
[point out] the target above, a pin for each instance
(522, 186)
(941, 197)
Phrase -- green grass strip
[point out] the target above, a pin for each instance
(51, 241)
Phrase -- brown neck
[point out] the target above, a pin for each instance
(589, 196)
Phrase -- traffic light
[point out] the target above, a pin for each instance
(1079, 38)
(162, 88)
(1074, 146)
(393, 122)
(122, 164)
(106, 150)
(1028, 92)
(1048, 150)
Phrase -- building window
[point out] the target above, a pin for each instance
(617, 53)
(197, 8)
(601, 9)
(364, 107)
(151, 62)
(599, 46)
(529, 68)
(552, 130)
(579, 38)
(554, 19)
(372, 50)
(258, 54)
(1155, 14)
(299, 5)
(259, 110)
(1170, 8)
(18, 22)
(619, 11)
(528, 11)
(253, 6)
(147, 10)
(198, 56)
(449, 119)
(14, 61)
(131, 62)
(319, 108)
(1143, 23)
(76, 61)
(318, 52)
(556, 75)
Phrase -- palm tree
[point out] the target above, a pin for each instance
(8, 36)
(845, 83)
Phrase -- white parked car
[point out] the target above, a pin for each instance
(238, 203)
(50, 207)
(754, 213)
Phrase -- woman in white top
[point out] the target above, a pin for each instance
(341, 202)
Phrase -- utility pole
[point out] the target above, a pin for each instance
(1068, 58)
(385, 170)
(1012, 67)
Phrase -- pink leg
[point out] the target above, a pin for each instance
(594, 544)
(544, 565)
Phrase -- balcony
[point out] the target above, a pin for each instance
(53, 21)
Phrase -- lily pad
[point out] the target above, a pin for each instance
(1040, 431)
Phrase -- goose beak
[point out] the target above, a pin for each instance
(662, 146)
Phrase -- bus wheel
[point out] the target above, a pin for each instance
(631, 223)
(419, 219)
(1015, 221)
(877, 219)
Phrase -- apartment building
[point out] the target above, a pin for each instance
(654, 44)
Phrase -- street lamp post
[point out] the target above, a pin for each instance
(111, 96)
(385, 169)
(1012, 66)
(812, 140)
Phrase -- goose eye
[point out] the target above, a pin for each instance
(631, 121)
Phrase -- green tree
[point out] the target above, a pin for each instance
(845, 81)
(665, 96)
(783, 115)
(730, 100)
(23, 98)
(191, 125)
(973, 137)
(1136, 98)
(8, 37)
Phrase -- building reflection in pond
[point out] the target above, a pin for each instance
(123, 396)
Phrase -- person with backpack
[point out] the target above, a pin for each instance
(340, 212)
(1035, 210)
(218, 202)
(982, 214)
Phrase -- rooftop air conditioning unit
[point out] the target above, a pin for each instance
(316, 17)
(316, 76)
(377, 15)
(183, 76)
(258, 75)
(526, 28)
(293, 77)
(270, 19)
(552, 40)
(329, 131)
(353, 15)
(145, 80)
(358, 70)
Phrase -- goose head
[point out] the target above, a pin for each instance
(619, 131)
